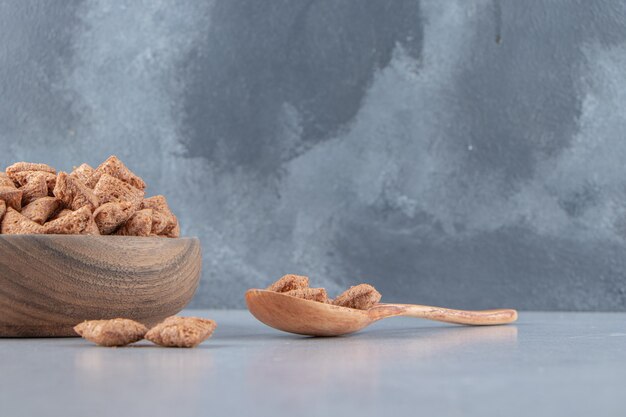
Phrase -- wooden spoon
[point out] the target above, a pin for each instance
(296, 315)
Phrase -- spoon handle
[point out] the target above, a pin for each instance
(448, 315)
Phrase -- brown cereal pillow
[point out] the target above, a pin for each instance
(42, 209)
(22, 178)
(362, 297)
(28, 166)
(35, 187)
(110, 189)
(9, 192)
(13, 223)
(313, 294)
(114, 332)
(181, 332)
(165, 223)
(11, 196)
(73, 193)
(174, 233)
(289, 282)
(61, 213)
(160, 223)
(115, 168)
(139, 224)
(110, 216)
(5, 181)
(83, 173)
(91, 228)
(74, 223)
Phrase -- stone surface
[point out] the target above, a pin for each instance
(548, 364)
(448, 152)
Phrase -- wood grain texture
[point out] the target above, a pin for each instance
(50, 283)
(300, 316)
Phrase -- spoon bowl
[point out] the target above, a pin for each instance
(306, 317)
(296, 315)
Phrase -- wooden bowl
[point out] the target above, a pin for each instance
(50, 283)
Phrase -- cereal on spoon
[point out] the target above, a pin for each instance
(361, 297)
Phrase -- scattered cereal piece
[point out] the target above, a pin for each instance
(11, 196)
(114, 332)
(289, 282)
(139, 224)
(13, 223)
(110, 189)
(115, 168)
(361, 297)
(110, 216)
(181, 332)
(74, 193)
(83, 173)
(313, 294)
(73, 223)
(41, 209)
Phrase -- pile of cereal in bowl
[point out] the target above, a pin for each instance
(107, 200)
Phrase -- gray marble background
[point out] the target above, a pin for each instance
(467, 153)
